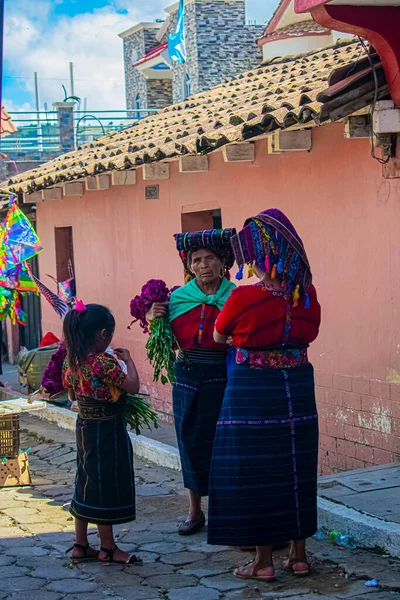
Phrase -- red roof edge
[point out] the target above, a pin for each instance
(152, 54)
(301, 6)
(273, 22)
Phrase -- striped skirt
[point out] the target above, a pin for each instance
(197, 399)
(263, 477)
(104, 485)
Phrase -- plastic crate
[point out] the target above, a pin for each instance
(9, 436)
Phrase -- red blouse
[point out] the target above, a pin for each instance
(256, 316)
(186, 328)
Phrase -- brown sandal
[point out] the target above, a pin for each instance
(85, 558)
(132, 560)
(192, 526)
(250, 572)
(300, 569)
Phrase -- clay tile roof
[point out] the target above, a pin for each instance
(295, 30)
(7, 126)
(152, 54)
(280, 94)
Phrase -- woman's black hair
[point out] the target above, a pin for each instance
(80, 330)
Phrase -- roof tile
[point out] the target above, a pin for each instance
(295, 30)
(7, 126)
(280, 94)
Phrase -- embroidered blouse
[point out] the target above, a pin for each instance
(186, 328)
(101, 378)
(256, 317)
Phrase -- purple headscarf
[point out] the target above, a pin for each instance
(271, 242)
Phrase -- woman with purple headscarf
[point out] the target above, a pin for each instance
(263, 479)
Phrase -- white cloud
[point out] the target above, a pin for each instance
(36, 41)
(11, 106)
(90, 41)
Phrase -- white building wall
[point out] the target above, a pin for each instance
(297, 45)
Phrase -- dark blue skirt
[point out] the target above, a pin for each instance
(197, 399)
(105, 484)
(263, 478)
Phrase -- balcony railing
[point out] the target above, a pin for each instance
(39, 132)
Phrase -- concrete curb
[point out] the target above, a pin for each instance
(143, 447)
(366, 531)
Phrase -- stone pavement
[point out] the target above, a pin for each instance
(36, 530)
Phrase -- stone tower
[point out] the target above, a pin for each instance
(219, 45)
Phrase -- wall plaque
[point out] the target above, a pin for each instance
(152, 192)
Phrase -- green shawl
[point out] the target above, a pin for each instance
(190, 295)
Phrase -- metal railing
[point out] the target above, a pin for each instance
(39, 132)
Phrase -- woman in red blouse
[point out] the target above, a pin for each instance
(264, 465)
(200, 368)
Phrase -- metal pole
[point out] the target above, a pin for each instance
(71, 77)
(1, 53)
(1, 104)
(39, 128)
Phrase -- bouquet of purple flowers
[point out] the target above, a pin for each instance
(52, 382)
(160, 345)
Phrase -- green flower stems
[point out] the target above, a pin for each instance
(138, 413)
(160, 350)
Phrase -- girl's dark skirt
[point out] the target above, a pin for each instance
(197, 399)
(263, 479)
(104, 485)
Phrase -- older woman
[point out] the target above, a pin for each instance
(201, 363)
(263, 475)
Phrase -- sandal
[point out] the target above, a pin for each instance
(253, 548)
(132, 559)
(192, 526)
(300, 569)
(85, 558)
(248, 571)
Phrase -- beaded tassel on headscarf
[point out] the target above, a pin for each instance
(270, 241)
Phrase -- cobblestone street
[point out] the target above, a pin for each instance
(36, 529)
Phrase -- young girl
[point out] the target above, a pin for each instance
(104, 486)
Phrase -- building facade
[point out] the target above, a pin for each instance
(356, 360)
(264, 139)
(219, 45)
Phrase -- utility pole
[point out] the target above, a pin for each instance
(71, 78)
(39, 128)
(1, 99)
(1, 59)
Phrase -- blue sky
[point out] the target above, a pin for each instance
(45, 35)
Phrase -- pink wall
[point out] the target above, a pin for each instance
(348, 217)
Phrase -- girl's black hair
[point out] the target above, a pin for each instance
(80, 330)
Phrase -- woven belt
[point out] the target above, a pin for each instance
(285, 358)
(202, 356)
(96, 409)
